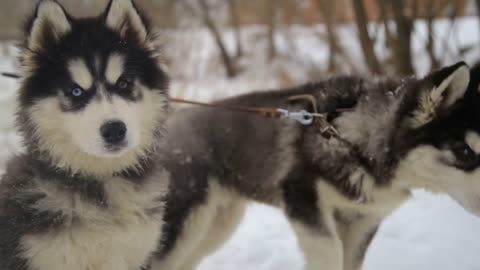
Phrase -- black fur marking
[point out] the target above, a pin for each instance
(438, 77)
(129, 93)
(89, 188)
(188, 190)
(301, 198)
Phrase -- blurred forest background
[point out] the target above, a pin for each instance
(246, 44)
(218, 48)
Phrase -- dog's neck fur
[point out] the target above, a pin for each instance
(374, 139)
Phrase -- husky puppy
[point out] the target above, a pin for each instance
(86, 193)
(398, 135)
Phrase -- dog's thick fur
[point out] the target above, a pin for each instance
(72, 200)
(398, 135)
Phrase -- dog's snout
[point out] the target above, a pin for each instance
(113, 132)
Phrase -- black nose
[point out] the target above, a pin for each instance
(113, 132)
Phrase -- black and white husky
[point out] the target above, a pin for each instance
(398, 135)
(86, 193)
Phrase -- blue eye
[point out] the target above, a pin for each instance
(77, 91)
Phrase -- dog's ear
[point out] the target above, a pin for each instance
(438, 92)
(124, 17)
(48, 24)
(474, 85)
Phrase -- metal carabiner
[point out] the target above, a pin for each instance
(303, 117)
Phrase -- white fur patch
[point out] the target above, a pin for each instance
(354, 235)
(50, 14)
(473, 140)
(320, 250)
(81, 75)
(121, 236)
(423, 168)
(114, 68)
(122, 11)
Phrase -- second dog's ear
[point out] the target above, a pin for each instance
(123, 17)
(49, 23)
(438, 92)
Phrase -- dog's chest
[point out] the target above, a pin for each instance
(120, 236)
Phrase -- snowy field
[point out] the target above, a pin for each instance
(428, 232)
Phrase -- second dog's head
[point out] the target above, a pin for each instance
(94, 94)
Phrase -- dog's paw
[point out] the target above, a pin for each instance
(360, 184)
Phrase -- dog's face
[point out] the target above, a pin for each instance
(94, 94)
(444, 130)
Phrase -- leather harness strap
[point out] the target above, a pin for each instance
(266, 112)
(303, 117)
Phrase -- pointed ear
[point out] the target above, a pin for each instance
(439, 91)
(474, 85)
(49, 23)
(123, 17)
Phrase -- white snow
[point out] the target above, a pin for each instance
(428, 232)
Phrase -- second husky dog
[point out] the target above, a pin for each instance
(87, 194)
(398, 135)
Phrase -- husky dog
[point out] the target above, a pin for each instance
(398, 135)
(86, 193)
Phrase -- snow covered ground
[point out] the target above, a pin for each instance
(428, 232)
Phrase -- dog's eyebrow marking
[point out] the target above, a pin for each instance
(114, 68)
(473, 140)
(80, 73)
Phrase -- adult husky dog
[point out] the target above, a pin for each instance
(398, 135)
(86, 193)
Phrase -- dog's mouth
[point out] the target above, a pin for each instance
(116, 149)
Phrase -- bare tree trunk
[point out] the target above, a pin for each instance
(228, 61)
(272, 28)
(430, 46)
(327, 9)
(389, 39)
(477, 2)
(235, 21)
(365, 39)
(403, 52)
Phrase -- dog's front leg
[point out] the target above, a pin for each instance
(356, 236)
(322, 250)
(312, 223)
